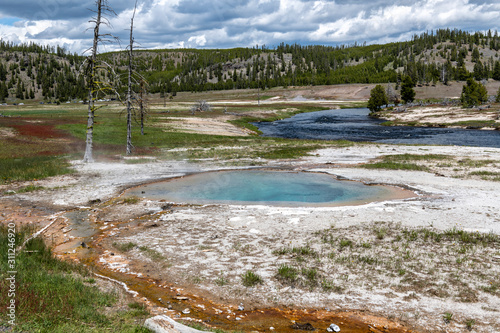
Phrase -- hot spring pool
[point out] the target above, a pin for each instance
(277, 188)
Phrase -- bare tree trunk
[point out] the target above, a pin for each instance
(129, 91)
(88, 158)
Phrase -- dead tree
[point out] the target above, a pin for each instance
(135, 101)
(95, 86)
(201, 106)
(129, 89)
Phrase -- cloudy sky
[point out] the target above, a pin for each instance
(235, 23)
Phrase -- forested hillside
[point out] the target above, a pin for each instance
(51, 74)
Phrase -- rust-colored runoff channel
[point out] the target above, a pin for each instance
(172, 300)
(163, 297)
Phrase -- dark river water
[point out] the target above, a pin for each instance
(355, 125)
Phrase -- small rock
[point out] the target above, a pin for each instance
(83, 244)
(271, 328)
(241, 307)
(186, 311)
(333, 328)
(169, 307)
(303, 327)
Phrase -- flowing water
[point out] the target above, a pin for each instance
(356, 125)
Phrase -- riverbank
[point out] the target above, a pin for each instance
(411, 261)
(486, 117)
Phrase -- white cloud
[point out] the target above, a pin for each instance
(233, 23)
(196, 41)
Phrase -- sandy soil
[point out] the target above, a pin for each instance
(210, 126)
(354, 257)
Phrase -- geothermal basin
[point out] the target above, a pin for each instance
(263, 187)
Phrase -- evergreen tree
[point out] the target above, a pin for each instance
(407, 92)
(473, 94)
(479, 71)
(378, 98)
(496, 71)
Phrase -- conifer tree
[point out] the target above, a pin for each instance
(407, 92)
(378, 98)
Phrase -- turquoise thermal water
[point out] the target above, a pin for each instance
(262, 187)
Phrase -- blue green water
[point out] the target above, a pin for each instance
(262, 187)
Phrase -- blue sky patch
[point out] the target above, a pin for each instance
(9, 20)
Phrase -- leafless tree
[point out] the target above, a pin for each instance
(129, 89)
(136, 103)
(95, 86)
(392, 96)
(201, 106)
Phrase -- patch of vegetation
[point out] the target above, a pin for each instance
(201, 327)
(345, 243)
(473, 124)
(137, 310)
(30, 188)
(405, 162)
(124, 247)
(425, 260)
(131, 200)
(287, 273)
(251, 279)
(221, 280)
(288, 152)
(301, 250)
(246, 122)
(469, 324)
(31, 168)
(54, 297)
(311, 275)
(152, 254)
(329, 286)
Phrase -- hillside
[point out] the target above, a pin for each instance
(31, 72)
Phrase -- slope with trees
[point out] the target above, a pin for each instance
(29, 71)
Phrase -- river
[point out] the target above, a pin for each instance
(356, 125)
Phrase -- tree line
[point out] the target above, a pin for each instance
(30, 71)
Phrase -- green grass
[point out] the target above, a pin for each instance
(301, 251)
(35, 112)
(251, 279)
(31, 168)
(404, 162)
(476, 123)
(221, 280)
(52, 295)
(152, 254)
(246, 122)
(30, 188)
(287, 273)
(124, 247)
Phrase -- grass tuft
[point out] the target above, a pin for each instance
(251, 279)
(124, 247)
